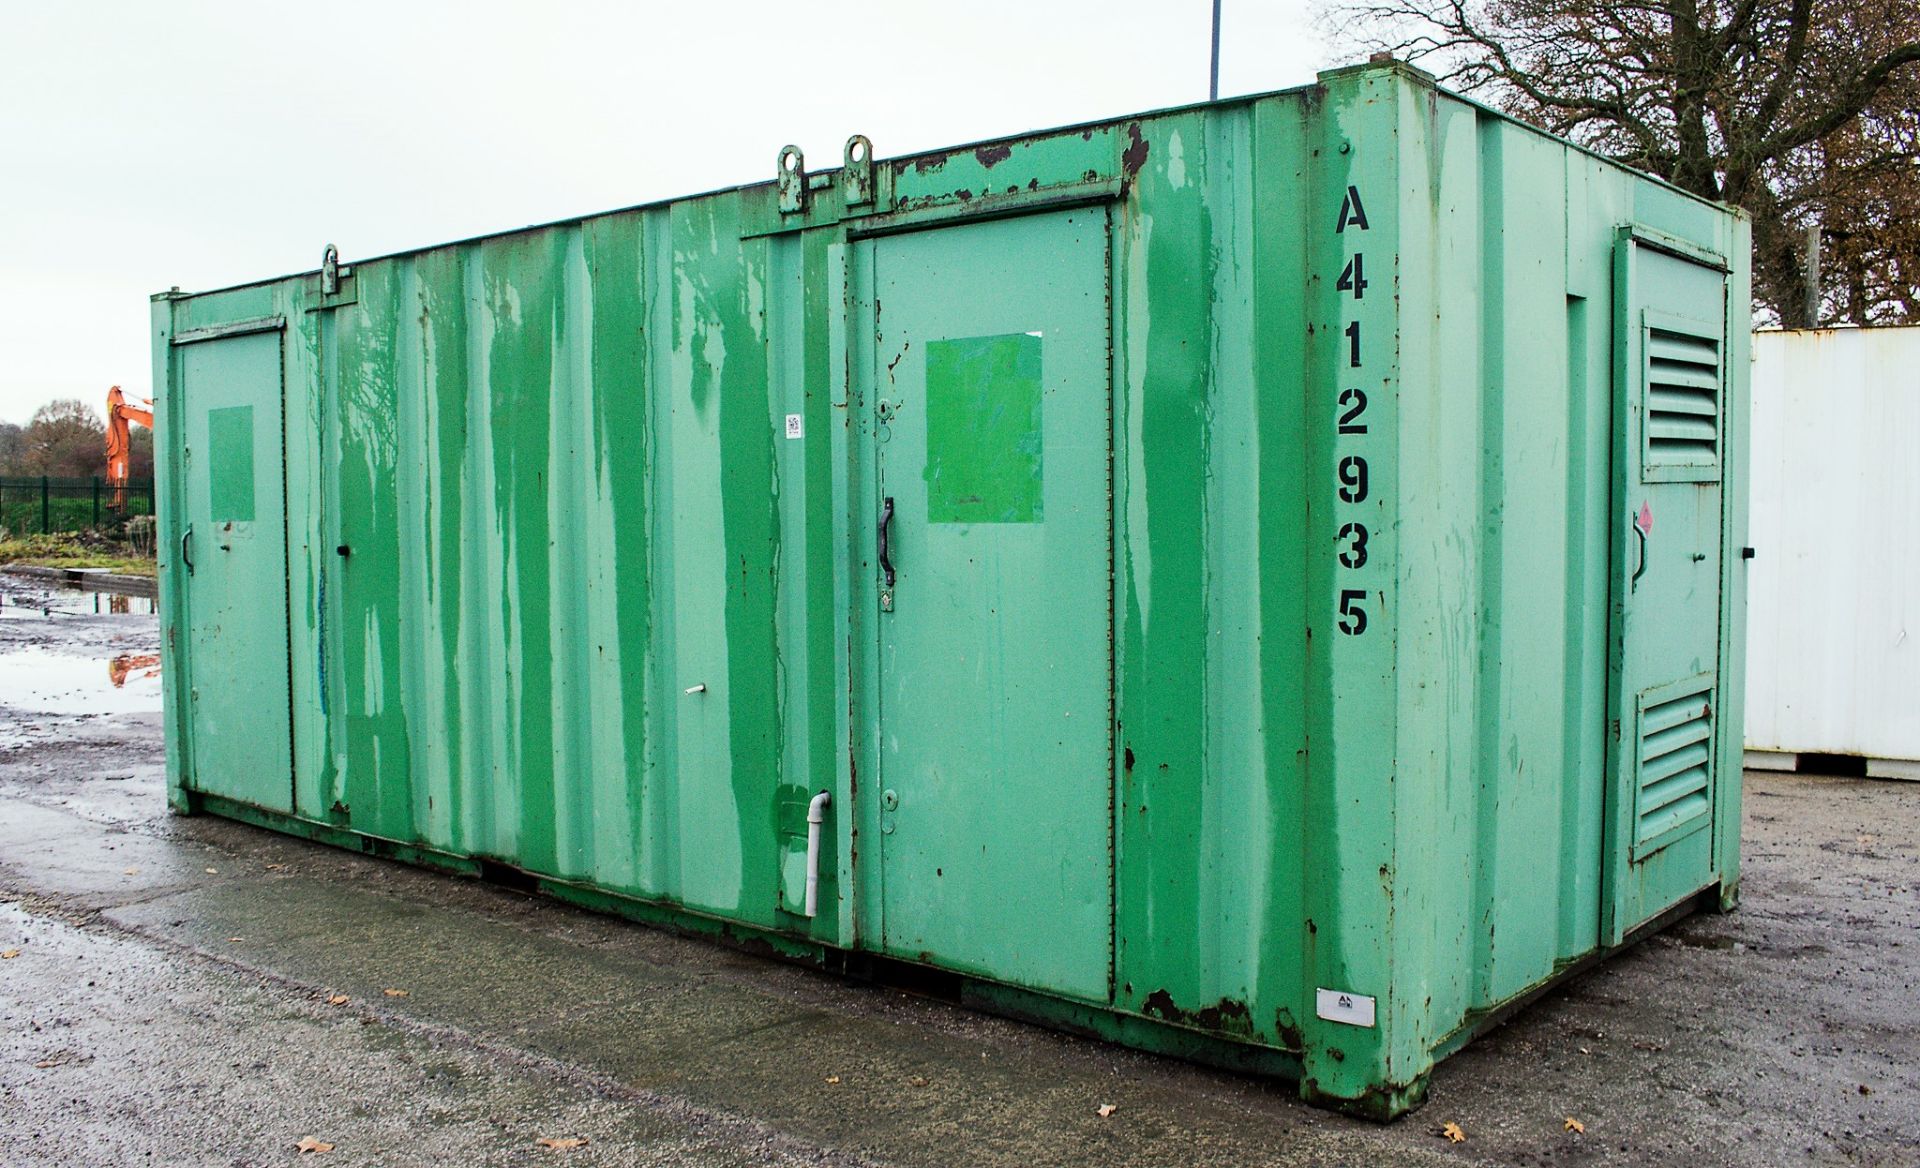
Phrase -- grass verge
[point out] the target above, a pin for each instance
(72, 551)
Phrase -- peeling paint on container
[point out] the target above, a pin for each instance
(1195, 553)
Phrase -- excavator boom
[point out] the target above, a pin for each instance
(119, 441)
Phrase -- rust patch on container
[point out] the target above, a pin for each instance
(992, 155)
(1224, 1017)
(1287, 1030)
(1135, 155)
(928, 163)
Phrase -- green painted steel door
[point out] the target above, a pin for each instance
(1672, 316)
(993, 439)
(235, 539)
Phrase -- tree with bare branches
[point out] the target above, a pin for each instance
(1806, 113)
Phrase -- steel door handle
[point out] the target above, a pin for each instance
(186, 555)
(886, 522)
(1642, 569)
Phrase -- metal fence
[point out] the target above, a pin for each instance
(45, 504)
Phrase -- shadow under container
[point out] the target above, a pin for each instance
(1258, 581)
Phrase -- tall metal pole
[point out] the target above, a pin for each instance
(1213, 82)
(1811, 314)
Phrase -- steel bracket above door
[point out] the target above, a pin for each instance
(791, 175)
(336, 281)
(856, 172)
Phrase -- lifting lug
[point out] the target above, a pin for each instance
(792, 180)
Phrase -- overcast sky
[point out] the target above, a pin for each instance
(210, 142)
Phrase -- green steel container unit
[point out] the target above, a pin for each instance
(1258, 581)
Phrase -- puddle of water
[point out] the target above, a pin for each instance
(65, 602)
(44, 682)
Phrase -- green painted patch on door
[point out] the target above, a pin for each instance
(230, 463)
(983, 429)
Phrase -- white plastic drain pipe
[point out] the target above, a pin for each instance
(816, 815)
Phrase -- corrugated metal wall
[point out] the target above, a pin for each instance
(1833, 627)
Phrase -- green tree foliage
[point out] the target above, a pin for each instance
(1802, 112)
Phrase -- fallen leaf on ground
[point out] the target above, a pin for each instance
(236, 938)
(561, 1143)
(833, 1078)
(9, 955)
(395, 993)
(338, 999)
(309, 1144)
(43, 1064)
(275, 867)
(1574, 1125)
(1104, 1110)
(1865, 1090)
(133, 871)
(918, 1081)
(1453, 1133)
(213, 871)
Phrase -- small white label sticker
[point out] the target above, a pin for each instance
(794, 429)
(1340, 1006)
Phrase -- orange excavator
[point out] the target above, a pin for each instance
(120, 441)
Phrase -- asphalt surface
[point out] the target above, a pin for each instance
(188, 991)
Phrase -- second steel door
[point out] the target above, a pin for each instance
(1672, 333)
(991, 423)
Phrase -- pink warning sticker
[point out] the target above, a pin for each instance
(1644, 520)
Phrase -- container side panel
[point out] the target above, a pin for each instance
(1531, 772)
(799, 315)
(616, 479)
(1240, 901)
(1352, 222)
(1277, 257)
(1163, 370)
(448, 706)
(1206, 861)
(307, 514)
(1735, 569)
(725, 548)
(367, 618)
(1444, 306)
(1589, 529)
